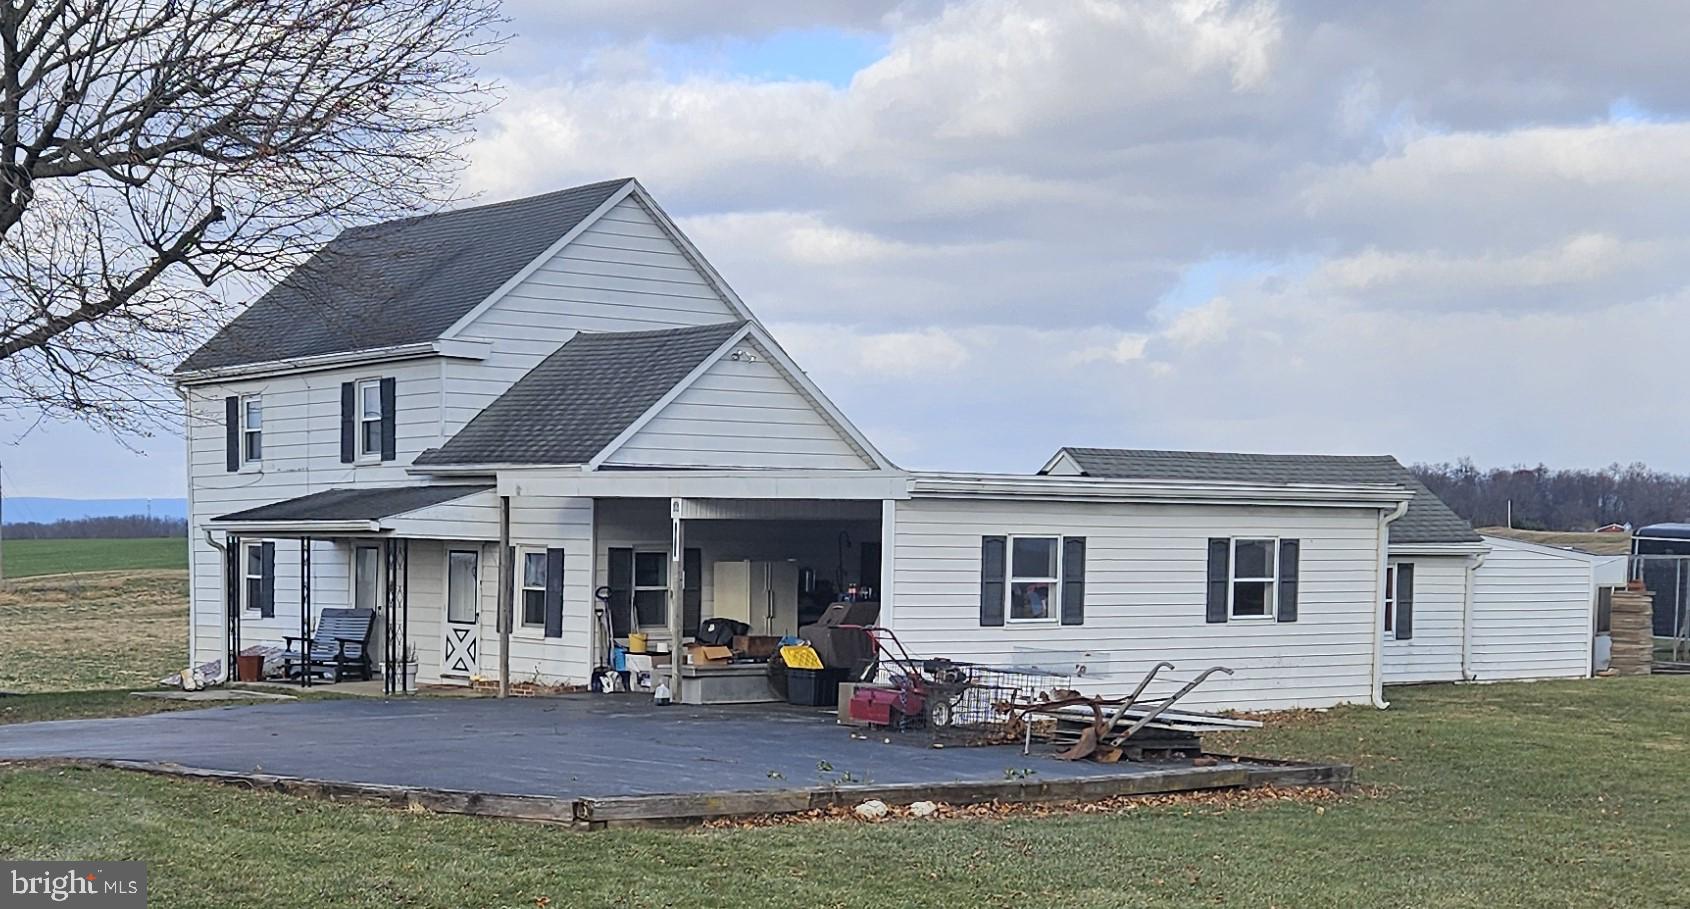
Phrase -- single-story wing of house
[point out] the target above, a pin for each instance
(554, 411)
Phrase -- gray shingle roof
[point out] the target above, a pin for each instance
(399, 282)
(354, 504)
(568, 408)
(1428, 519)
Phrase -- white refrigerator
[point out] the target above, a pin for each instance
(762, 594)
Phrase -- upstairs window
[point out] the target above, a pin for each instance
(369, 418)
(252, 429)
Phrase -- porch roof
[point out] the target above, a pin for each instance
(346, 509)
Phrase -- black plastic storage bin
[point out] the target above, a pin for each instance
(813, 687)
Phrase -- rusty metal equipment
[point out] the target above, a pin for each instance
(1133, 727)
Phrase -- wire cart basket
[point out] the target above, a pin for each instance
(962, 702)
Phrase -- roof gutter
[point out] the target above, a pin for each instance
(1097, 489)
(1386, 519)
(297, 527)
(455, 348)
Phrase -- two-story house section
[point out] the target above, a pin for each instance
(556, 403)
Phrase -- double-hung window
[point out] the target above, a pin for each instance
(254, 575)
(533, 589)
(252, 429)
(1034, 579)
(1255, 575)
(1390, 601)
(369, 418)
(651, 588)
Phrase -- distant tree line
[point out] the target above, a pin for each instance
(130, 526)
(1545, 499)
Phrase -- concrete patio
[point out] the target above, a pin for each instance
(566, 748)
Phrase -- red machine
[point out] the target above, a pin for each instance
(905, 703)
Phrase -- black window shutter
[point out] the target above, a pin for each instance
(554, 593)
(692, 590)
(992, 565)
(621, 565)
(389, 433)
(1289, 550)
(348, 422)
(1220, 566)
(1073, 580)
(1405, 601)
(267, 600)
(232, 432)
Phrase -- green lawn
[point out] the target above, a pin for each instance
(29, 558)
(1522, 795)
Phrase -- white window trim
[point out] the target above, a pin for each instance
(352, 575)
(521, 626)
(246, 402)
(369, 456)
(1390, 600)
(1272, 600)
(1053, 609)
(247, 605)
(635, 588)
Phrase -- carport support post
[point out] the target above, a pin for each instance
(677, 546)
(507, 579)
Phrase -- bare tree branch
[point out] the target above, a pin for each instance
(159, 160)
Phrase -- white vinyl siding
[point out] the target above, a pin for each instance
(301, 455)
(1533, 613)
(623, 273)
(1433, 654)
(741, 413)
(1145, 595)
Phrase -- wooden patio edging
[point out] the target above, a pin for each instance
(636, 810)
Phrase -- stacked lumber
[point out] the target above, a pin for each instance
(1632, 632)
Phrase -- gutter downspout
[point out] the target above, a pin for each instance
(1385, 521)
(1473, 563)
(223, 587)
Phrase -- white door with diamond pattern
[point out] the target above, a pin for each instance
(460, 652)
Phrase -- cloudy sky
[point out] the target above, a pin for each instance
(989, 228)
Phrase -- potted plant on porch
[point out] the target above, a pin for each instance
(408, 669)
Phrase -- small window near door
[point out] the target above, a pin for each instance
(254, 575)
(651, 588)
(1255, 569)
(1033, 578)
(460, 586)
(533, 593)
(366, 577)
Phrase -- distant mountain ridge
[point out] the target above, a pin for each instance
(23, 509)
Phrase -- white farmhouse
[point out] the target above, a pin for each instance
(558, 401)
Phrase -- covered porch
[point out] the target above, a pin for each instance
(353, 585)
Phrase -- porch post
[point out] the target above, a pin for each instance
(389, 637)
(231, 600)
(405, 679)
(305, 609)
(677, 547)
(507, 579)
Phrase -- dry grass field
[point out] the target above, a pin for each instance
(108, 629)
